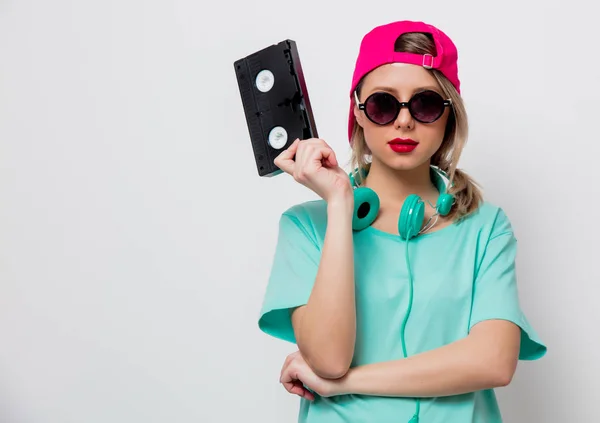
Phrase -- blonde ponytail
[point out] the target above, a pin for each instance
(467, 195)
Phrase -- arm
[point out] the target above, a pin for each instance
(325, 327)
(485, 359)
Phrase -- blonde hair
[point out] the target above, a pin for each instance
(466, 191)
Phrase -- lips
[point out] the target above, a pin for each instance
(403, 145)
(403, 141)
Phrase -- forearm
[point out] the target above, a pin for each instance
(467, 365)
(326, 327)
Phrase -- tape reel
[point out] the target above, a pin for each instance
(275, 101)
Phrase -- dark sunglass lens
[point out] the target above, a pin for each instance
(427, 106)
(381, 108)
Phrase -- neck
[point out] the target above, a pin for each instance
(393, 186)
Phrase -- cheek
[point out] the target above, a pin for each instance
(433, 133)
(375, 136)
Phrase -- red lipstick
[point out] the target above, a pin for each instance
(403, 145)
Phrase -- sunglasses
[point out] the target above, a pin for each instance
(383, 108)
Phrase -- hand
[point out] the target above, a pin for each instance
(296, 376)
(316, 167)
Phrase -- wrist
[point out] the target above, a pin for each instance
(341, 204)
(342, 386)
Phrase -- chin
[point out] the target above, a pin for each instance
(403, 161)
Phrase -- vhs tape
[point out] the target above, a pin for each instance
(275, 100)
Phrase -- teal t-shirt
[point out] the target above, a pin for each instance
(462, 274)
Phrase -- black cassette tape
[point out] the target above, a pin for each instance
(275, 101)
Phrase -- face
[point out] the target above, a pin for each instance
(390, 143)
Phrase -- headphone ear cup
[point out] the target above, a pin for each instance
(411, 217)
(366, 208)
(444, 204)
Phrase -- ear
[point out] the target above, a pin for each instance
(358, 115)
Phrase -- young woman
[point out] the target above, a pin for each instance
(398, 286)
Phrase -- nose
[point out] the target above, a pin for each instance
(404, 119)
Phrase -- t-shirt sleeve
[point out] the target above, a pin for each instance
(495, 291)
(293, 272)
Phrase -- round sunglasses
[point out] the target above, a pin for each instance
(383, 108)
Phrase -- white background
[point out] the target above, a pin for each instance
(136, 236)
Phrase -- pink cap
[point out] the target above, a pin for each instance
(377, 48)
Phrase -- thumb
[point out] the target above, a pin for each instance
(329, 159)
(285, 160)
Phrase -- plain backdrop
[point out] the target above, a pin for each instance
(136, 237)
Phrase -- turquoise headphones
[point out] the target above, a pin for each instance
(366, 205)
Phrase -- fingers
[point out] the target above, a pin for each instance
(286, 370)
(294, 387)
(289, 378)
(310, 159)
(299, 155)
(287, 362)
(301, 391)
(285, 160)
(297, 388)
(313, 150)
(329, 159)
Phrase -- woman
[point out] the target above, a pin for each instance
(399, 285)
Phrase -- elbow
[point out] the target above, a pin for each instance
(502, 374)
(327, 363)
(332, 372)
(333, 368)
(503, 378)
